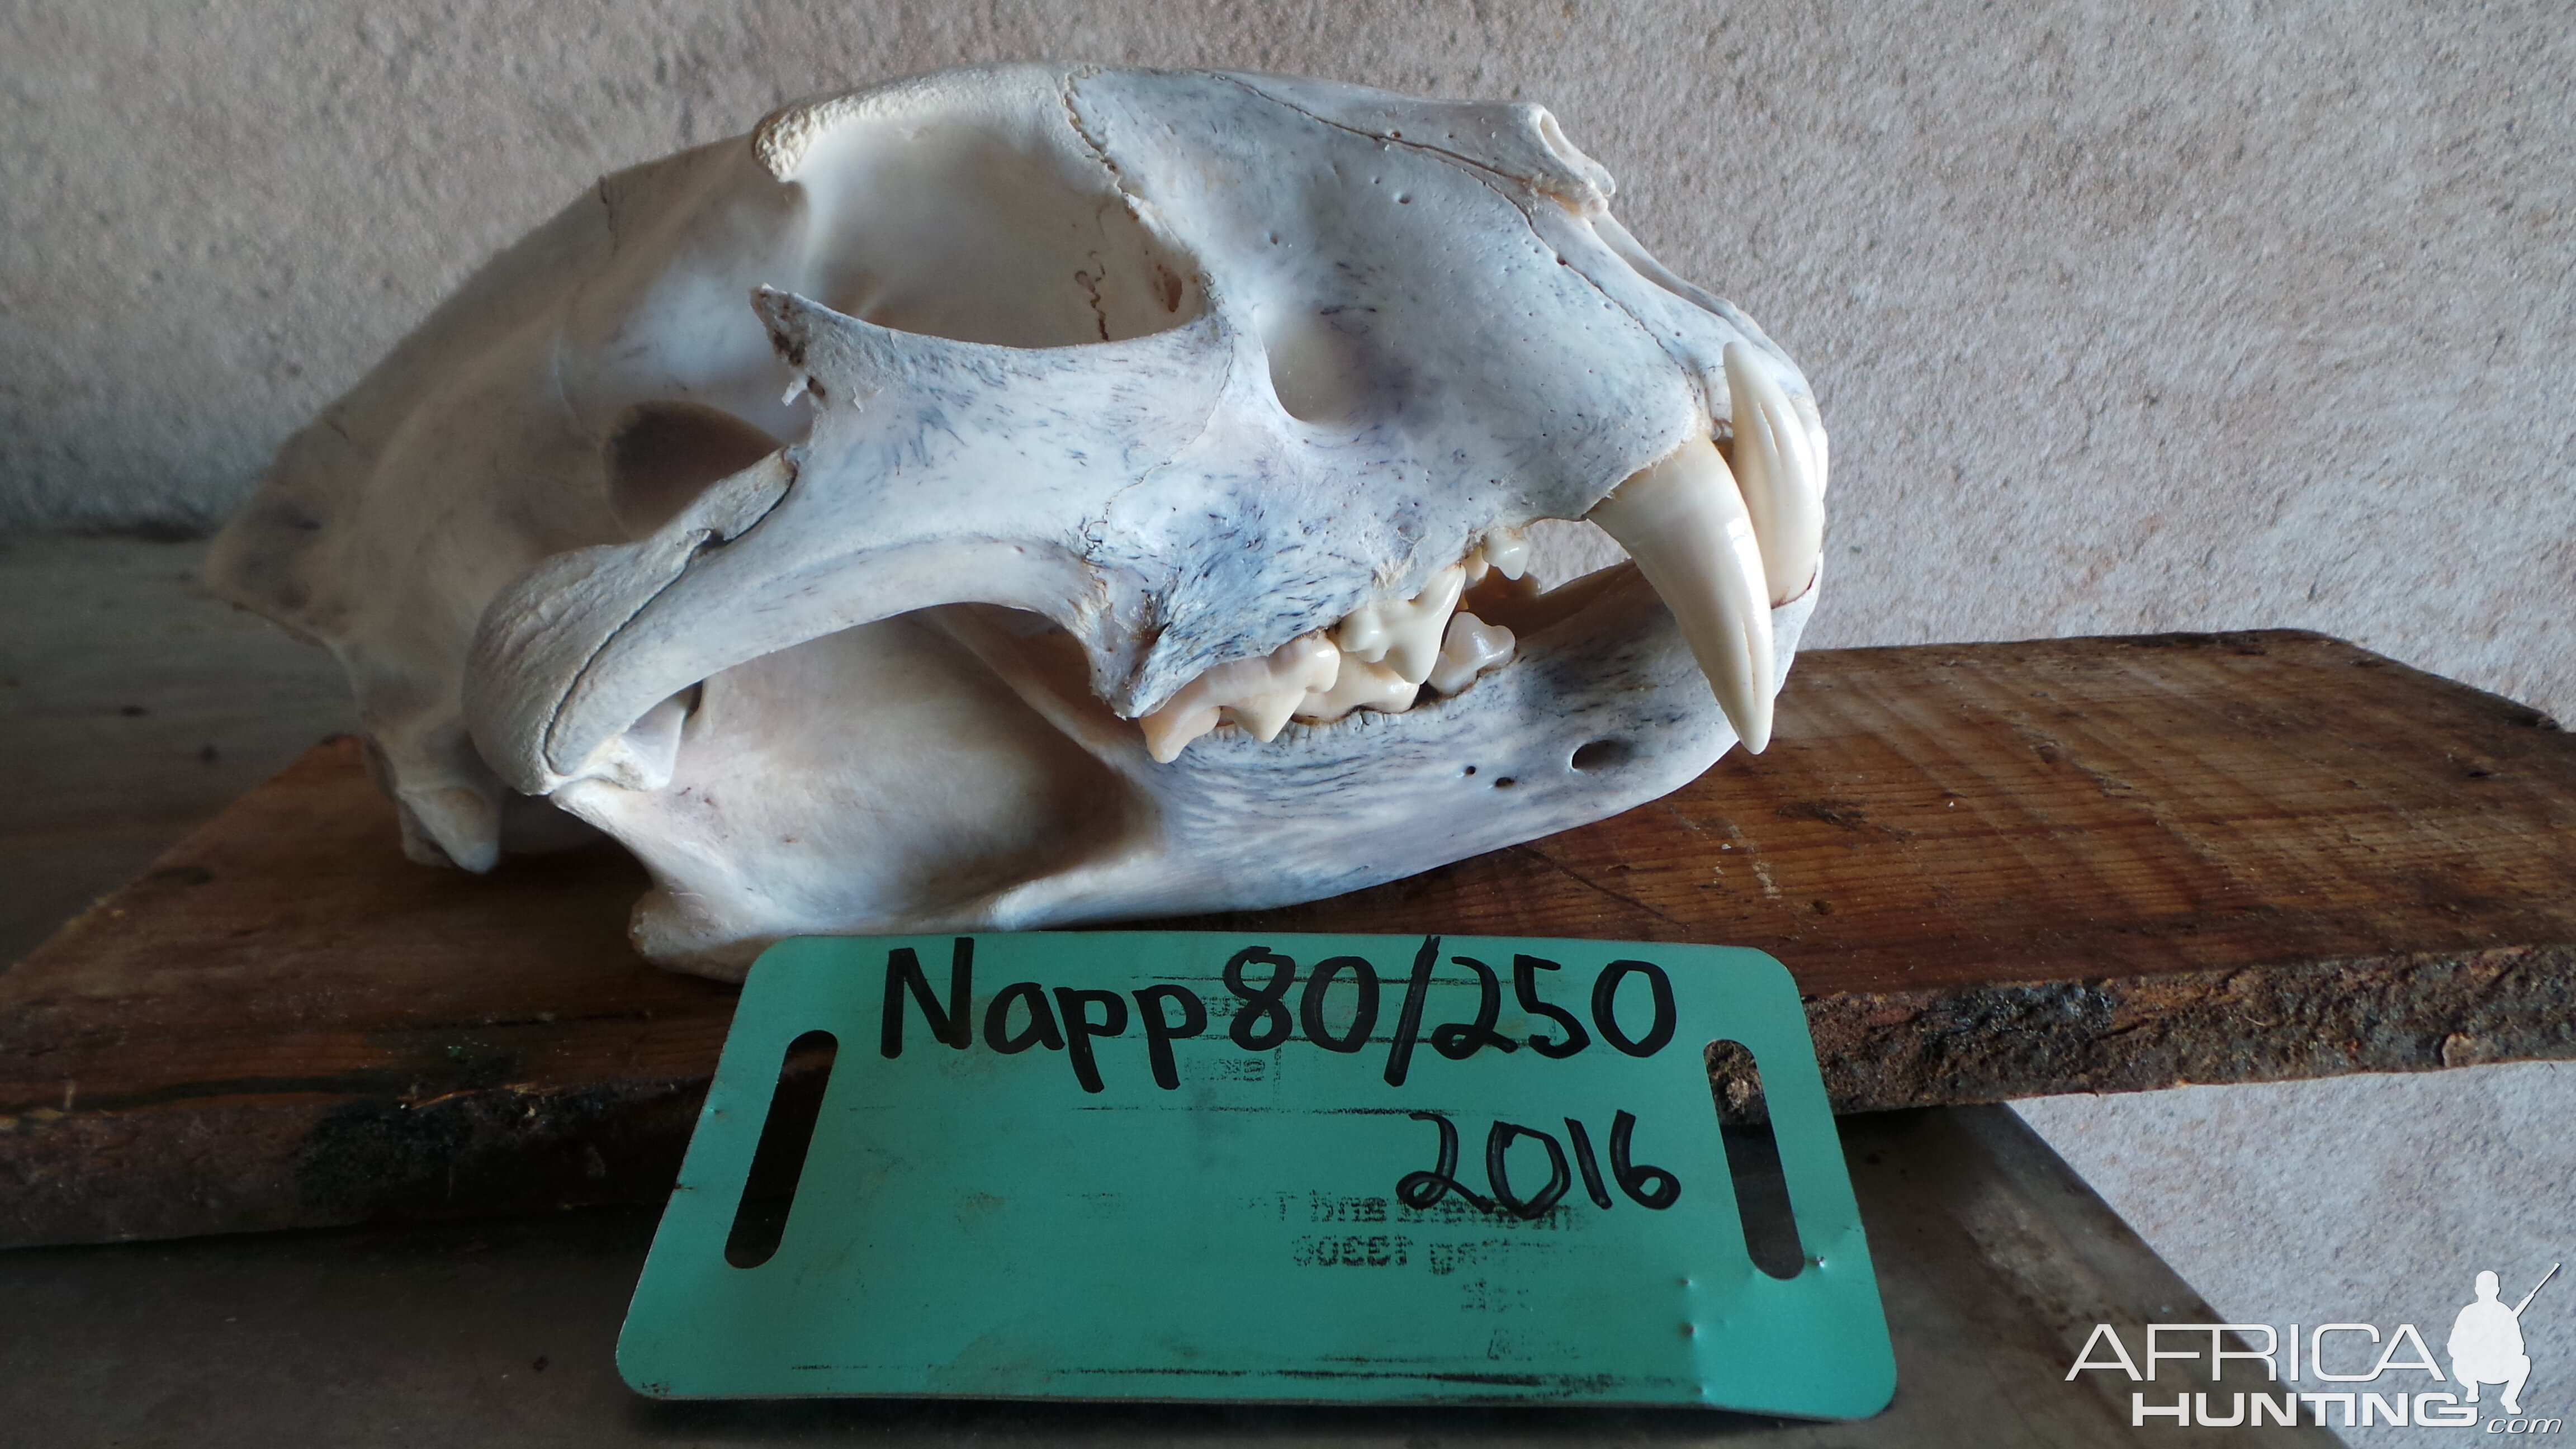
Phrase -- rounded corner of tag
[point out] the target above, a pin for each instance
(1871, 1395)
(635, 1365)
(1766, 968)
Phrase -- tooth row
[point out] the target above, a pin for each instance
(1378, 657)
(1257, 694)
(1723, 546)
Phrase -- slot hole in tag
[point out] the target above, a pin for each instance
(778, 1162)
(1753, 1161)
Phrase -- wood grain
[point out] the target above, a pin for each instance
(1997, 870)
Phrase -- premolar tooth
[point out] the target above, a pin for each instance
(1360, 685)
(1685, 525)
(1469, 648)
(1783, 479)
(1507, 549)
(1256, 694)
(1404, 636)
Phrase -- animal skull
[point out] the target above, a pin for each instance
(1116, 499)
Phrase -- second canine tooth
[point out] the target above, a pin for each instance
(1782, 477)
(1404, 636)
(1471, 647)
(1685, 524)
(1257, 694)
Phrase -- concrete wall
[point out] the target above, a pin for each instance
(2126, 316)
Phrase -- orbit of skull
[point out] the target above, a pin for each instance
(1037, 494)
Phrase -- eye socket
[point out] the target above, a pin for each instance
(662, 455)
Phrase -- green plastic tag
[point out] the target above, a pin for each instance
(1164, 1165)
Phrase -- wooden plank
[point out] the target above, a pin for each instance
(1997, 870)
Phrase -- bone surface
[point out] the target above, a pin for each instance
(1036, 494)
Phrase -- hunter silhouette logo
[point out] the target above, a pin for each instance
(2361, 1376)
(2486, 1342)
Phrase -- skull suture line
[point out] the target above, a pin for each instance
(1143, 528)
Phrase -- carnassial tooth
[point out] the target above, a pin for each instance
(1256, 694)
(1507, 549)
(1782, 478)
(1360, 685)
(1404, 636)
(1469, 648)
(1685, 525)
(1299, 668)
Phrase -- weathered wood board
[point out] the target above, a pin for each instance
(1997, 870)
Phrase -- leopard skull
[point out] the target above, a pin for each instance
(1040, 494)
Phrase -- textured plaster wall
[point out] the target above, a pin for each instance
(2369, 1199)
(2126, 316)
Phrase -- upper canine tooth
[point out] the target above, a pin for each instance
(1404, 636)
(1256, 694)
(1685, 524)
(1815, 422)
(1507, 549)
(1782, 476)
(1469, 648)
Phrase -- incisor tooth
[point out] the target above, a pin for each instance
(1782, 478)
(1469, 648)
(1404, 636)
(1256, 694)
(1685, 525)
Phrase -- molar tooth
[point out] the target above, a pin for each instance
(1404, 636)
(1782, 477)
(1256, 694)
(1507, 549)
(1359, 685)
(1685, 525)
(1469, 648)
